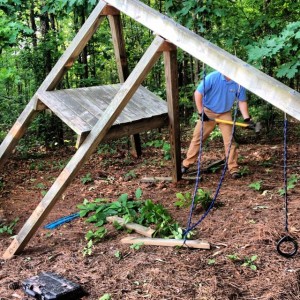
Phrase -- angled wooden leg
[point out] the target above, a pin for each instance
(18, 130)
(87, 148)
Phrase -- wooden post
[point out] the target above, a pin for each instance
(51, 81)
(17, 131)
(122, 65)
(171, 74)
(86, 149)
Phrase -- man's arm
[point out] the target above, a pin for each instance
(198, 101)
(243, 105)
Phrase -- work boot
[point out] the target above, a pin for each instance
(236, 175)
(184, 169)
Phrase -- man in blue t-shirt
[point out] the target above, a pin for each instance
(219, 93)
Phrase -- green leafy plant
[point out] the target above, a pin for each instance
(40, 186)
(8, 229)
(93, 237)
(249, 262)
(202, 197)
(244, 171)
(130, 175)
(167, 151)
(88, 249)
(145, 213)
(118, 254)
(136, 246)
(87, 178)
(256, 185)
(291, 182)
(211, 261)
(233, 257)
(166, 147)
(106, 149)
(105, 297)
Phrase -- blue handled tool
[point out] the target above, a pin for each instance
(61, 221)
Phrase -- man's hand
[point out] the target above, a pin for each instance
(205, 117)
(250, 122)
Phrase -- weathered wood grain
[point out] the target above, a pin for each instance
(264, 86)
(200, 244)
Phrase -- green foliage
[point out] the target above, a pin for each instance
(233, 257)
(291, 182)
(130, 175)
(136, 246)
(8, 229)
(145, 213)
(244, 170)
(166, 147)
(87, 178)
(284, 48)
(249, 262)
(216, 133)
(202, 197)
(105, 297)
(256, 185)
(245, 262)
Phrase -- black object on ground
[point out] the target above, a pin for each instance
(50, 286)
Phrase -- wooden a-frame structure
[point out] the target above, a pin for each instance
(169, 35)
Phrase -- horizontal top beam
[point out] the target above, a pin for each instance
(264, 86)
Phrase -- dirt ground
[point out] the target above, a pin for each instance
(243, 223)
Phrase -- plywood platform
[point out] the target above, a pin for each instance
(81, 108)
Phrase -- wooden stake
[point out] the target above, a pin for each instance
(146, 231)
(167, 242)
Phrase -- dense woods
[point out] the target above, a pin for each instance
(33, 35)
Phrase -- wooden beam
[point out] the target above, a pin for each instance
(171, 74)
(123, 71)
(86, 149)
(167, 242)
(264, 86)
(17, 131)
(146, 231)
(119, 47)
(110, 11)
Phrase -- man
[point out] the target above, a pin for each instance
(216, 95)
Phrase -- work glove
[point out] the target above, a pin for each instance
(205, 117)
(250, 122)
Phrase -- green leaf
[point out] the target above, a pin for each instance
(254, 257)
(138, 193)
(253, 267)
(105, 297)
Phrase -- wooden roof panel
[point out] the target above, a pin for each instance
(81, 108)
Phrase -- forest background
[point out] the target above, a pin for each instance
(34, 34)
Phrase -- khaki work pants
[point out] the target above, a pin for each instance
(208, 127)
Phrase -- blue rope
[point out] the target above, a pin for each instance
(285, 172)
(192, 207)
(189, 227)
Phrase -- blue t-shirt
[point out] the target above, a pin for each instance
(220, 94)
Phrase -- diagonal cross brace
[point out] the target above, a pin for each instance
(264, 86)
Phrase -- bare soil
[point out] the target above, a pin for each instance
(243, 223)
